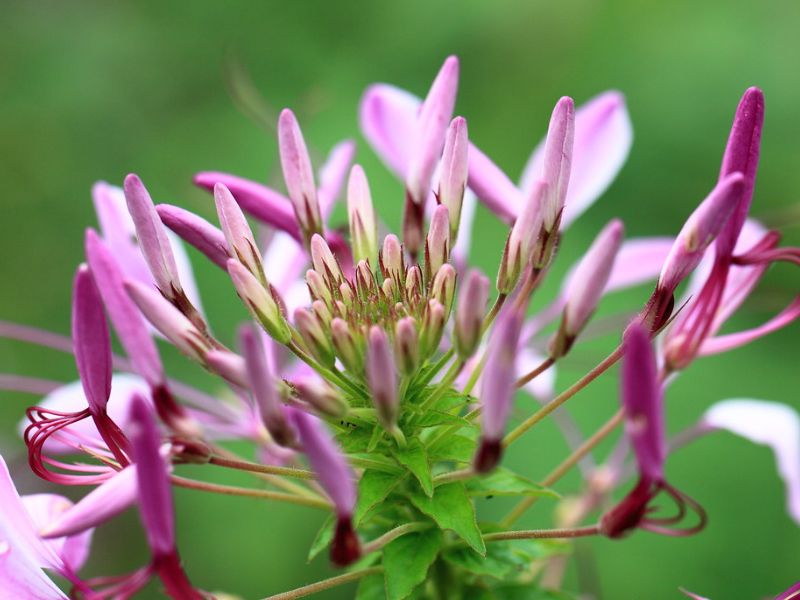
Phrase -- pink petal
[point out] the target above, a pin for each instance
(603, 138)
(771, 424)
(20, 577)
(263, 203)
(723, 343)
(100, 505)
(493, 187)
(46, 508)
(332, 175)
(543, 386)
(388, 116)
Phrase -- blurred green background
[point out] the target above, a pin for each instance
(94, 90)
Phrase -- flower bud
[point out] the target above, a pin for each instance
(558, 160)
(344, 343)
(321, 397)
(470, 313)
(391, 259)
(365, 281)
(432, 328)
(265, 392)
(91, 341)
(498, 387)
(317, 287)
(325, 262)
(453, 179)
(437, 244)
(406, 345)
(381, 377)
(169, 320)
(337, 479)
(363, 226)
(443, 287)
(298, 174)
(259, 301)
(700, 229)
(314, 336)
(414, 287)
(152, 238)
(522, 238)
(196, 231)
(586, 286)
(228, 365)
(238, 235)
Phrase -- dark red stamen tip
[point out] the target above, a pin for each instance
(345, 548)
(488, 456)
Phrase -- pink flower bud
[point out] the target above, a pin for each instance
(406, 345)
(433, 321)
(381, 377)
(314, 336)
(521, 239)
(345, 345)
(196, 231)
(453, 179)
(325, 262)
(320, 396)
(437, 244)
(363, 226)
(443, 287)
(259, 301)
(298, 174)
(558, 160)
(470, 312)
(238, 235)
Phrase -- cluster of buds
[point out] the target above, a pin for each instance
(353, 379)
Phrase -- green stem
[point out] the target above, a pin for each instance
(326, 584)
(393, 534)
(459, 475)
(437, 366)
(243, 465)
(498, 304)
(230, 490)
(531, 534)
(565, 466)
(444, 386)
(576, 387)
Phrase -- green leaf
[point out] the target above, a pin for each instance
(433, 418)
(407, 559)
(452, 509)
(372, 587)
(323, 538)
(415, 459)
(502, 482)
(504, 557)
(456, 447)
(373, 488)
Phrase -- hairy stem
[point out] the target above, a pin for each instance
(230, 490)
(531, 375)
(576, 387)
(566, 465)
(326, 584)
(392, 535)
(530, 534)
(243, 465)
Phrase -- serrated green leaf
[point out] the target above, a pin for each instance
(407, 559)
(372, 587)
(452, 509)
(323, 538)
(456, 447)
(415, 459)
(502, 482)
(373, 488)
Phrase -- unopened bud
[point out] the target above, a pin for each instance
(391, 259)
(437, 244)
(259, 301)
(558, 160)
(406, 345)
(325, 262)
(470, 312)
(317, 287)
(363, 226)
(314, 336)
(238, 235)
(299, 175)
(453, 180)
(443, 287)
(365, 281)
(321, 397)
(432, 328)
(381, 377)
(521, 240)
(346, 347)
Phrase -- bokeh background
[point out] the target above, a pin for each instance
(94, 90)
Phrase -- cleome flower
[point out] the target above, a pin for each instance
(376, 376)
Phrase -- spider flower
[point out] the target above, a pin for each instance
(642, 401)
